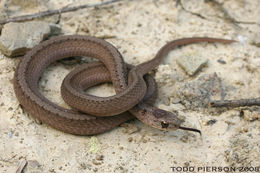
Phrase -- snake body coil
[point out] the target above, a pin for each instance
(134, 94)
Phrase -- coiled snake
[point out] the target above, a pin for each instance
(134, 95)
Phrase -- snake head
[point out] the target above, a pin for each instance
(169, 121)
(166, 120)
(160, 119)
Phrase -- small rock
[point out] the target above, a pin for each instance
(221, 61)
(211, 122)
(198, 93)
(130, 139)
(192, 63)
(33, 166)
(184, 139)
(55, 29)
(144, 141)
(251, 116)
(17, 38)
(95, 162)
(100, 157)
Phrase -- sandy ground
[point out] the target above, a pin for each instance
(138, 29)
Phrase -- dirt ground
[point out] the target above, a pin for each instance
(138, 28)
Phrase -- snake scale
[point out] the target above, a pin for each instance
(135, 91)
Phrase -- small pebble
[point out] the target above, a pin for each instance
(130, 139)
(17, 38)
(95, 162)
(144, 140)
(211, 122)
(184, 139)
(192, 63)
(221, 61)
(99, 157)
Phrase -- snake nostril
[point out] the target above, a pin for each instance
(143, 111)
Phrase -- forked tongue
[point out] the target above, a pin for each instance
(190, 129)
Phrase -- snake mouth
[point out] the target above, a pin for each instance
(190, 129)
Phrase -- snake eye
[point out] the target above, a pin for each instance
(164, 124)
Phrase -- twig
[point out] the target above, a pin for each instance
(235, 103)
(53, 12)
(21, 166)
(226, 16)
(179, 2)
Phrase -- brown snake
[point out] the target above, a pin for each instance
(133, 94)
